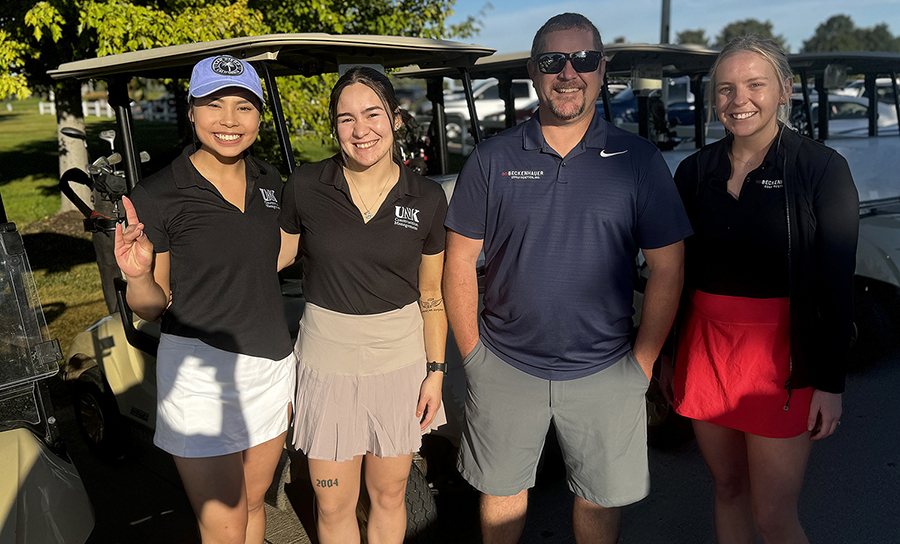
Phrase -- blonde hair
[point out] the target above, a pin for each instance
(771, 52)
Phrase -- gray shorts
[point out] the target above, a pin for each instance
(600, 420)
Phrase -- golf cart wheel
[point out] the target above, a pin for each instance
(421, 510)
(97, 416)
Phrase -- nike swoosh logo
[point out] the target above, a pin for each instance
(604, 154)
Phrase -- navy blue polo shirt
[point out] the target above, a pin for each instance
(351, 266)
(223, 271)
(560, 238)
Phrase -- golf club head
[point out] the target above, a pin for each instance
(109, 136)
(115, 158)
(72, 132)
(145, 157)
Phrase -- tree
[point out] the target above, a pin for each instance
(37, 36)
(696, 37)
(879, 38)
(40, 36)
(305, 99)
(839, 33)
(748, 26)
(11, 81)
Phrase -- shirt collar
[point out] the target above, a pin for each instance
(722, 169)
(186, 175)
(594, 137)
(333, 174)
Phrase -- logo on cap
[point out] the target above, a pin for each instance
(227, 66)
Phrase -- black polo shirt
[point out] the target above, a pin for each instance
(351, 266)
(739, 246)
(225, 289)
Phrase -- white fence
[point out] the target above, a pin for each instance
(150, 110)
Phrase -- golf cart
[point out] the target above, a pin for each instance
(42, 498)
(872, 159)
(640, 62)
(112, 365)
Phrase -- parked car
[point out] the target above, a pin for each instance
(847, 115)
(488, 103)
(883, 89)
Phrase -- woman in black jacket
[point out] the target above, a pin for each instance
(764, 341)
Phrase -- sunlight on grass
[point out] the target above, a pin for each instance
(71, 297)
(30, 199)
(29, 169)
(72, 300)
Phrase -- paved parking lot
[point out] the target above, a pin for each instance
(850, 496)
(139, 500)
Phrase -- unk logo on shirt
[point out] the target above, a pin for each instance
(406, 217)
(269, 198)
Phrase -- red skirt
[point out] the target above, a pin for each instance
(733, 361)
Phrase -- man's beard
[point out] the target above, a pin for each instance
(566, 116)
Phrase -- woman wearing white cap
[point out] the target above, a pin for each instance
(202, 258)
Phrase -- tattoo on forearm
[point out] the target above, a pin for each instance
(431, 305)
(326, 483)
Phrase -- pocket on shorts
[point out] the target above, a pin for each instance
(638, 368)
(474, 354)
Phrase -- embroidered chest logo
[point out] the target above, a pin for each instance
(523, 174)
(406, 217)
(269, 198)
(770, 183)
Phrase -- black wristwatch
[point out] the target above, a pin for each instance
(437, 367)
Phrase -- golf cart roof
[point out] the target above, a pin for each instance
(675, 60)
(286, 54)
(857, 62)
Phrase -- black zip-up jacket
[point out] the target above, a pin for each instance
(822, 211)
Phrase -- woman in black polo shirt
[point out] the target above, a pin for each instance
(764, 344)
(371, 346)
(225, 368)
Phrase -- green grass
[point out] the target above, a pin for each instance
(64, 265)
(27, 162)
(313, 151)
(68, 283)
(30, 198)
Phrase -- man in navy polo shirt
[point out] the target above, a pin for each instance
(561, 205)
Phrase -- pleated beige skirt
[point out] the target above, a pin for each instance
(358, 383)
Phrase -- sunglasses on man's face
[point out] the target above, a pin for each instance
(582, 61)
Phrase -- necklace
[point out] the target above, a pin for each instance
(750, 163)
(367, 214)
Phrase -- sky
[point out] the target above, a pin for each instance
(510, 25)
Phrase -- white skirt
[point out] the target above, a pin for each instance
(358, 383)
(212, 402)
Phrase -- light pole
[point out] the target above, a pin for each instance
(664, 27)
(664, 38)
